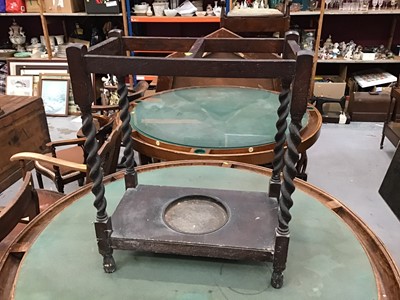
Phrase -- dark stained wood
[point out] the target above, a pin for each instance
(258, 24)
(109, 46)
(289, 70)
(300, 89)
(130, 234)
(391, 127)
(23, 127)
(260, 68)
(171, 82)
(81, 81)
(386, 272)
(247, 45)
(197, 50)
(181, 44)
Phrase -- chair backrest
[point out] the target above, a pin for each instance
(109, 151)
(24, 204)
(105, 128)
(133, 94)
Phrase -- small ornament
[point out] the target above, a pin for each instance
(149, 12)
(17, 36)
(328, 43)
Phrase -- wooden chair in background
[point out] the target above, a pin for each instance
(391, 127)
(61, 166)
(133, 94)
(22, 208)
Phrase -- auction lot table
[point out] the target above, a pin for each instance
(233, 123)
(332, 254)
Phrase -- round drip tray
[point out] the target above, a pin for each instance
(195, 214)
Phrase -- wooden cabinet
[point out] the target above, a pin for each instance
(23, 127)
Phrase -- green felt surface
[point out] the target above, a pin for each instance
(210, 117)
(325, 260)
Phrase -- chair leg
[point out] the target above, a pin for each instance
(59, 185)
(143, 159)
(81, 181)
(301, 166)
(39, 180)
(382, 139)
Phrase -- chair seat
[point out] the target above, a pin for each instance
(72, 154)
(46, 198)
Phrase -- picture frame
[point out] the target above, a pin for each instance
(55, 95)
(19, 85)
(36, 66)
(73, 109)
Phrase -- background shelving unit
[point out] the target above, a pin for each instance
(372, 27)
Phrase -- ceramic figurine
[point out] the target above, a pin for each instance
(149, 12)
(322, 53)
(349, 50)
(255, 4)
(328, 43)
(17, 36)
(209, 10)
(335, 50)
(357, 53)
(216, 9)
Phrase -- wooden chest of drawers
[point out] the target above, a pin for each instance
(23, 127)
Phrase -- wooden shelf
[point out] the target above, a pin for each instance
(395, 60)
(336, 12)
(146, 77)
(153, 19)
(78, 14)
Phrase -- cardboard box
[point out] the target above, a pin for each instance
(330, 86)
(32, 6)
(368, 56)
(108, 7)
(67, 6)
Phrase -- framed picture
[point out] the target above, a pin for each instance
(55, 95)
(19, 85)
(35, 67)
(73, 109)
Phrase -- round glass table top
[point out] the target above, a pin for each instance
(209, 117)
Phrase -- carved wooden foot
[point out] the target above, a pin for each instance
(109, 264)
(277, 279)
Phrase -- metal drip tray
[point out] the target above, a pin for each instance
(196, 222)
(195, 214)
